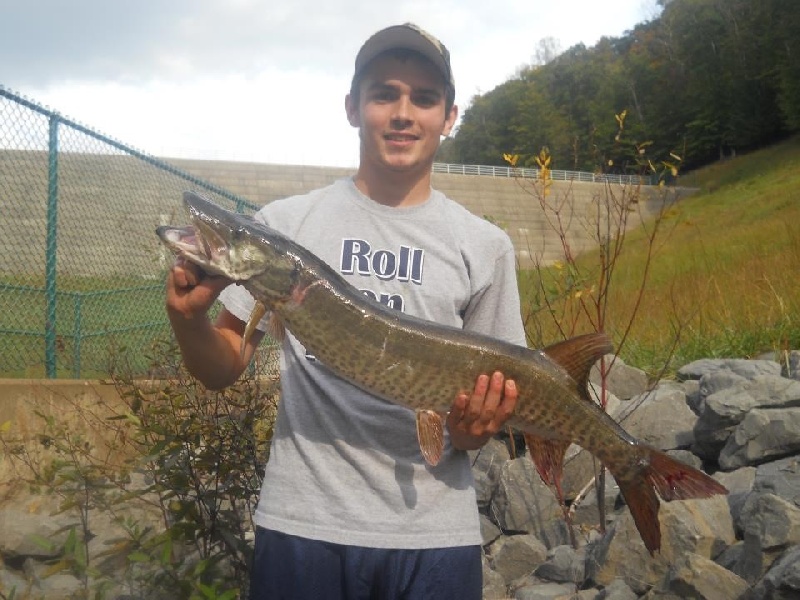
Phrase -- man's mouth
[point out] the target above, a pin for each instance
(399, 137)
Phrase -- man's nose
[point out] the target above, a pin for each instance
(402, 110)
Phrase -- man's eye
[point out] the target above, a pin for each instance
(383, 96)
(426, 100)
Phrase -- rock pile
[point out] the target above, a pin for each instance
(736, 419)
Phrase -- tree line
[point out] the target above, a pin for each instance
(703, 80)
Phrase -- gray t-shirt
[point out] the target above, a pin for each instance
(344, 466)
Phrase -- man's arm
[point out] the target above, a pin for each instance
(211, 352)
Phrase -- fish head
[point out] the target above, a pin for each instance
(226, 243)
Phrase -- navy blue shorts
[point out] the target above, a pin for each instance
(287, 567)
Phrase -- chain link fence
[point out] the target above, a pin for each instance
(81, 269)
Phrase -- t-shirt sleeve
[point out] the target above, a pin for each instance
(495, 308)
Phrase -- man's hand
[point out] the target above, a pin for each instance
(190, 291)
(475, 418)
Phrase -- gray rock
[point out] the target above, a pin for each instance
(494, 586)
(523, 503)
(746, 368)
(687, 457)
(763, 434)
(702, 527)
(563, 565)
(780, 477)
(701, 578)
(516, 556)
(770, 526)
(661, 418)
(489, 531)
(725, 409)
(623, 381)
(32, 534)
(790, 366)
(486, 466)
(617, 590)
(731, 556)
(544, 591)
(740, 485)
(587, 512)
(782, 582)
(771, 520)
(711, 383)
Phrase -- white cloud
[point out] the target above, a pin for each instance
(256, 80)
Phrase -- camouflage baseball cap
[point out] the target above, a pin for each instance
(410, 37)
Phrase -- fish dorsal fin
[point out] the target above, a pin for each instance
(577, 355)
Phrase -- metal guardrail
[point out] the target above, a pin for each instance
(528, 173)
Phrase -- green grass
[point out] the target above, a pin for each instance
(723, 281)
(94, 328)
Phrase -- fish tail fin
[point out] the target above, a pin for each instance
(643, 503)
(673, 480)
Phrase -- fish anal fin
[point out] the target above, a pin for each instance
(548, 457)
(258, 312)
(577, 355)
(430, 435)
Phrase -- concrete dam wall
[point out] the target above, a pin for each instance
(107, 207)
(514, 204)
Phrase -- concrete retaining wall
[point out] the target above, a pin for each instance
(512, 203)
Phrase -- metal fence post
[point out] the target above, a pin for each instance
(51, 245)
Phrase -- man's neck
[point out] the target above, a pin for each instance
(394, 188)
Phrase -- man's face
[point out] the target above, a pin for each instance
(400, 113)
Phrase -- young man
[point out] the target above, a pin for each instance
(349, 508)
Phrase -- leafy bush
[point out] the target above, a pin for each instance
(176, 478)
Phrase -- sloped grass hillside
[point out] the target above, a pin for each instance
(724, 280)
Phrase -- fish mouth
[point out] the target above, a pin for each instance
(199, 243)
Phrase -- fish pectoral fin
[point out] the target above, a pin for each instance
(277, 330)
(430, 435)
(548, 458)
(258, 312)
(577, 356)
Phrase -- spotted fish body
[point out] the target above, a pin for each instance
(424, 365)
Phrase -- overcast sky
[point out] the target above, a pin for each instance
(261, 80)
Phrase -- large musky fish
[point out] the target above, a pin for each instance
(424, 365)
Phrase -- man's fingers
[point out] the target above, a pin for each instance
(492, 398)
(476, 400)
(186, 274)
(508, 403)
(457, 409)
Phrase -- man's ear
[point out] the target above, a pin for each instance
(351, 108)
(450, 120)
